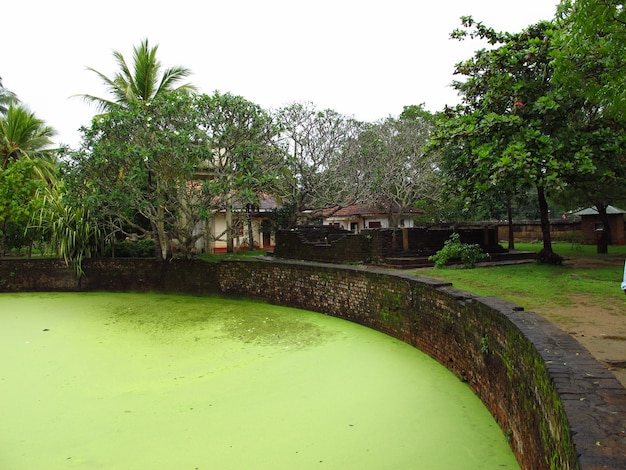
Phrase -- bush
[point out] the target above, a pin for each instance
(133, 249)
(548, 257)
(469, 254)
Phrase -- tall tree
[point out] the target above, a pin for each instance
(163, 170)
(322, 168)
(6, 98)
(512, 127)
(24, 136)
(136, 165)
(18, 202)
(591, 56)
(398, 171)
(134, 89)
(27, 164)
(243, 156)
(604, 141)
(140, 83)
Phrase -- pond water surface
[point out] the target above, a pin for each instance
(150, 381)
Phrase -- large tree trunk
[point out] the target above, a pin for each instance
(250, 233)
(161, 238)
(510, 221)
(229, 227)
(544, 215)
(604, 235)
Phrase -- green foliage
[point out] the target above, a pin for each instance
(172, 164)
(591, 51)
(72, 230)
(322, 162)
(24, 136)
(538, 287)
(142, 83)
(484, 344)
(514, 128)
(548, 257)
(239, 134)
(18, 202)
(132, 249)
(454, 249)
(396, 170)
(6, 98)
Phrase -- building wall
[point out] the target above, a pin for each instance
(356, 224)
(530, 231)
(217, 226)
(591, 223)
(326, 243)
(558, 407)
(581, 231)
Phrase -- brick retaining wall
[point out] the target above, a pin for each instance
(558, 406)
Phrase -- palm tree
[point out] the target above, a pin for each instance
(23, 135)
(6, 98)
(141, 84)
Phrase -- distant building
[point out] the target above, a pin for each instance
(590, 224)
(360, 216)
(259, 215)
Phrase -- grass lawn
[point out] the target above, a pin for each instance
(535, 286)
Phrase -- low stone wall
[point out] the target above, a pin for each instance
(329, 244)
(118, 274)
(559, 408)
(529, 231)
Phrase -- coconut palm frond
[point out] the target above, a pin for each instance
(140, 83)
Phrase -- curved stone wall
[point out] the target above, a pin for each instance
(558, 407)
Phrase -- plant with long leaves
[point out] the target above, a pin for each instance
(142, 82)
(6, 98)
(23, 135)
(72, 231)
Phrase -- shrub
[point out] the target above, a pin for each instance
(469, 254)
(133, 249)
(548, 257)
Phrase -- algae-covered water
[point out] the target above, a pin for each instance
(148, 381)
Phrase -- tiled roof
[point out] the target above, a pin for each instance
(594, 211)
(363, 210)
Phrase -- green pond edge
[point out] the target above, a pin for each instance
(558, 407)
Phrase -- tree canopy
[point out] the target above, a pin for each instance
(589, 58)
(542, 112)
(398, 174)
(23, 135)
(242, 159)
(18, 202)
(163, 170)
(514, 126)
(6, 97)
(142, 82)
(322, 163)
(591, 53)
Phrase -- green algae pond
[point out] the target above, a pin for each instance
(152, 381)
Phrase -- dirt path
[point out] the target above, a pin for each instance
(600, 327)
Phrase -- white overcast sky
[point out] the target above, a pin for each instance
(362, 58)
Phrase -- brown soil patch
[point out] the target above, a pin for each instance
(599, 326)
